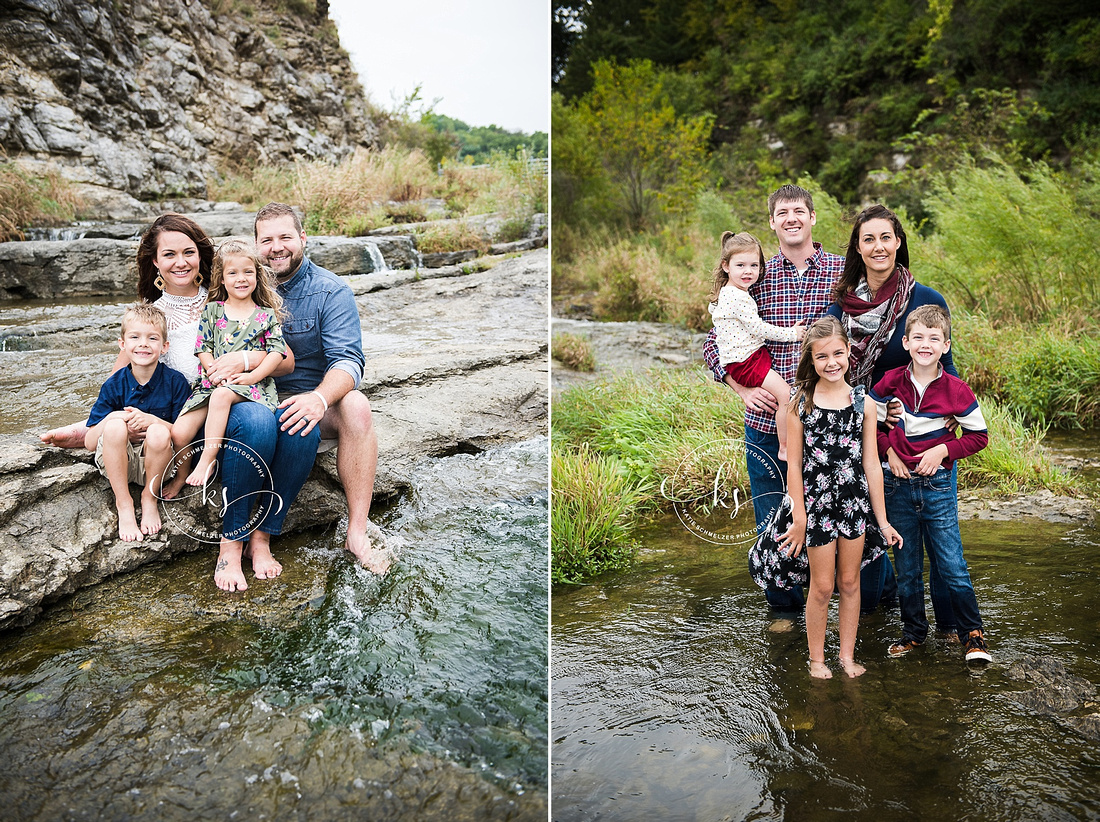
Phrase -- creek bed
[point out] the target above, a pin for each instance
(678, 695)
(325, 694)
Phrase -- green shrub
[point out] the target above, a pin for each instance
(1014, 460)
(573, 351)
(592, 515)
(1048, 374)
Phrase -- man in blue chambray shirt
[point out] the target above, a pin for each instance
(318, 399)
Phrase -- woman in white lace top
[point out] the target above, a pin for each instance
(173, 262)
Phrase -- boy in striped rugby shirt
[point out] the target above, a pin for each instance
(921, 494)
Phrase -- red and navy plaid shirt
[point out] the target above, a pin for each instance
(784, 298)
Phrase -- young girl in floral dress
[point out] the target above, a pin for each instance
(242, 314)
(835, 496)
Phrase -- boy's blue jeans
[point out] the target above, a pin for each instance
(266, 469)
(925, 510)
(767, 484)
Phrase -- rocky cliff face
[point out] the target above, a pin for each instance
(153, 97)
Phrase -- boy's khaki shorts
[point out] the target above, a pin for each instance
(135, 461)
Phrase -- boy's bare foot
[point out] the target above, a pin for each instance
(150, 514)
(264, 565)
(819, 670)
(69, 436)
(228, 574)
(202, 474)
(375, 558)
(128, 530)
(852, 668)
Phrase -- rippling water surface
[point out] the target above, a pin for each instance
(340, 696)
(677, 695)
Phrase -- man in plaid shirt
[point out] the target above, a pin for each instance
(797, 285)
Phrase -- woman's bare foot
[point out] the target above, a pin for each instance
(852, 668)
(69, 436)
(202, 474)
(264, 565)
(227, 573)
(128, 530)
(150, 514)
(819, 670)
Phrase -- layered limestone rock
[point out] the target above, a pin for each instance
(152, 99)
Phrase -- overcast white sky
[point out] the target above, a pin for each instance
(489, 60)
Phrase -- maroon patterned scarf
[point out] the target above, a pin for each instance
(871, 322)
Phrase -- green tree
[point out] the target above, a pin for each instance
(655, 157)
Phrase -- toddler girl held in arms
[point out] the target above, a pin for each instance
(740, 332)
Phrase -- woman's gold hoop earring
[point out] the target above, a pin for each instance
(159, 282)
(198, 279)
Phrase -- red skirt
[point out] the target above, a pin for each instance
(752, 371)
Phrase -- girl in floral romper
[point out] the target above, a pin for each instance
(242, 314)
(834, 484)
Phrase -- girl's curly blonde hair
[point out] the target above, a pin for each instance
(266, 293)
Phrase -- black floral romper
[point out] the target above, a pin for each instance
(838, 503)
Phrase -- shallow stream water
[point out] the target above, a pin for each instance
(678, 695)
(325, 694)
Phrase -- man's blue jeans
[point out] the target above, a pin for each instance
(767, 483)
(925, 510)
(262, 467)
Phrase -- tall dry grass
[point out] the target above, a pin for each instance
(368, 188)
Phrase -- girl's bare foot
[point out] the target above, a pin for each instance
(227, 573)
(173, 486)
(852, 668)
(819, 670)
(150, 514)
(202, 474)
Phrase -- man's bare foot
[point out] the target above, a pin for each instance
(264, 565)
(202, 474)
(171, 488)
(128, 530)
(852, 668)
(150, 514)
(820, 670)
(69, 436)
(228, 574)
(375, 558)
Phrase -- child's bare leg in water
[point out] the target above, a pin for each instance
(849, 557)
(217, 418)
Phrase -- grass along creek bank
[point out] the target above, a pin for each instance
(649, 411)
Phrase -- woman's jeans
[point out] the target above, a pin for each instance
(262, 467)
(925, 511)
(767, 484)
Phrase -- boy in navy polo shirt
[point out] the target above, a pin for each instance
(919, 454)
(130, 425)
